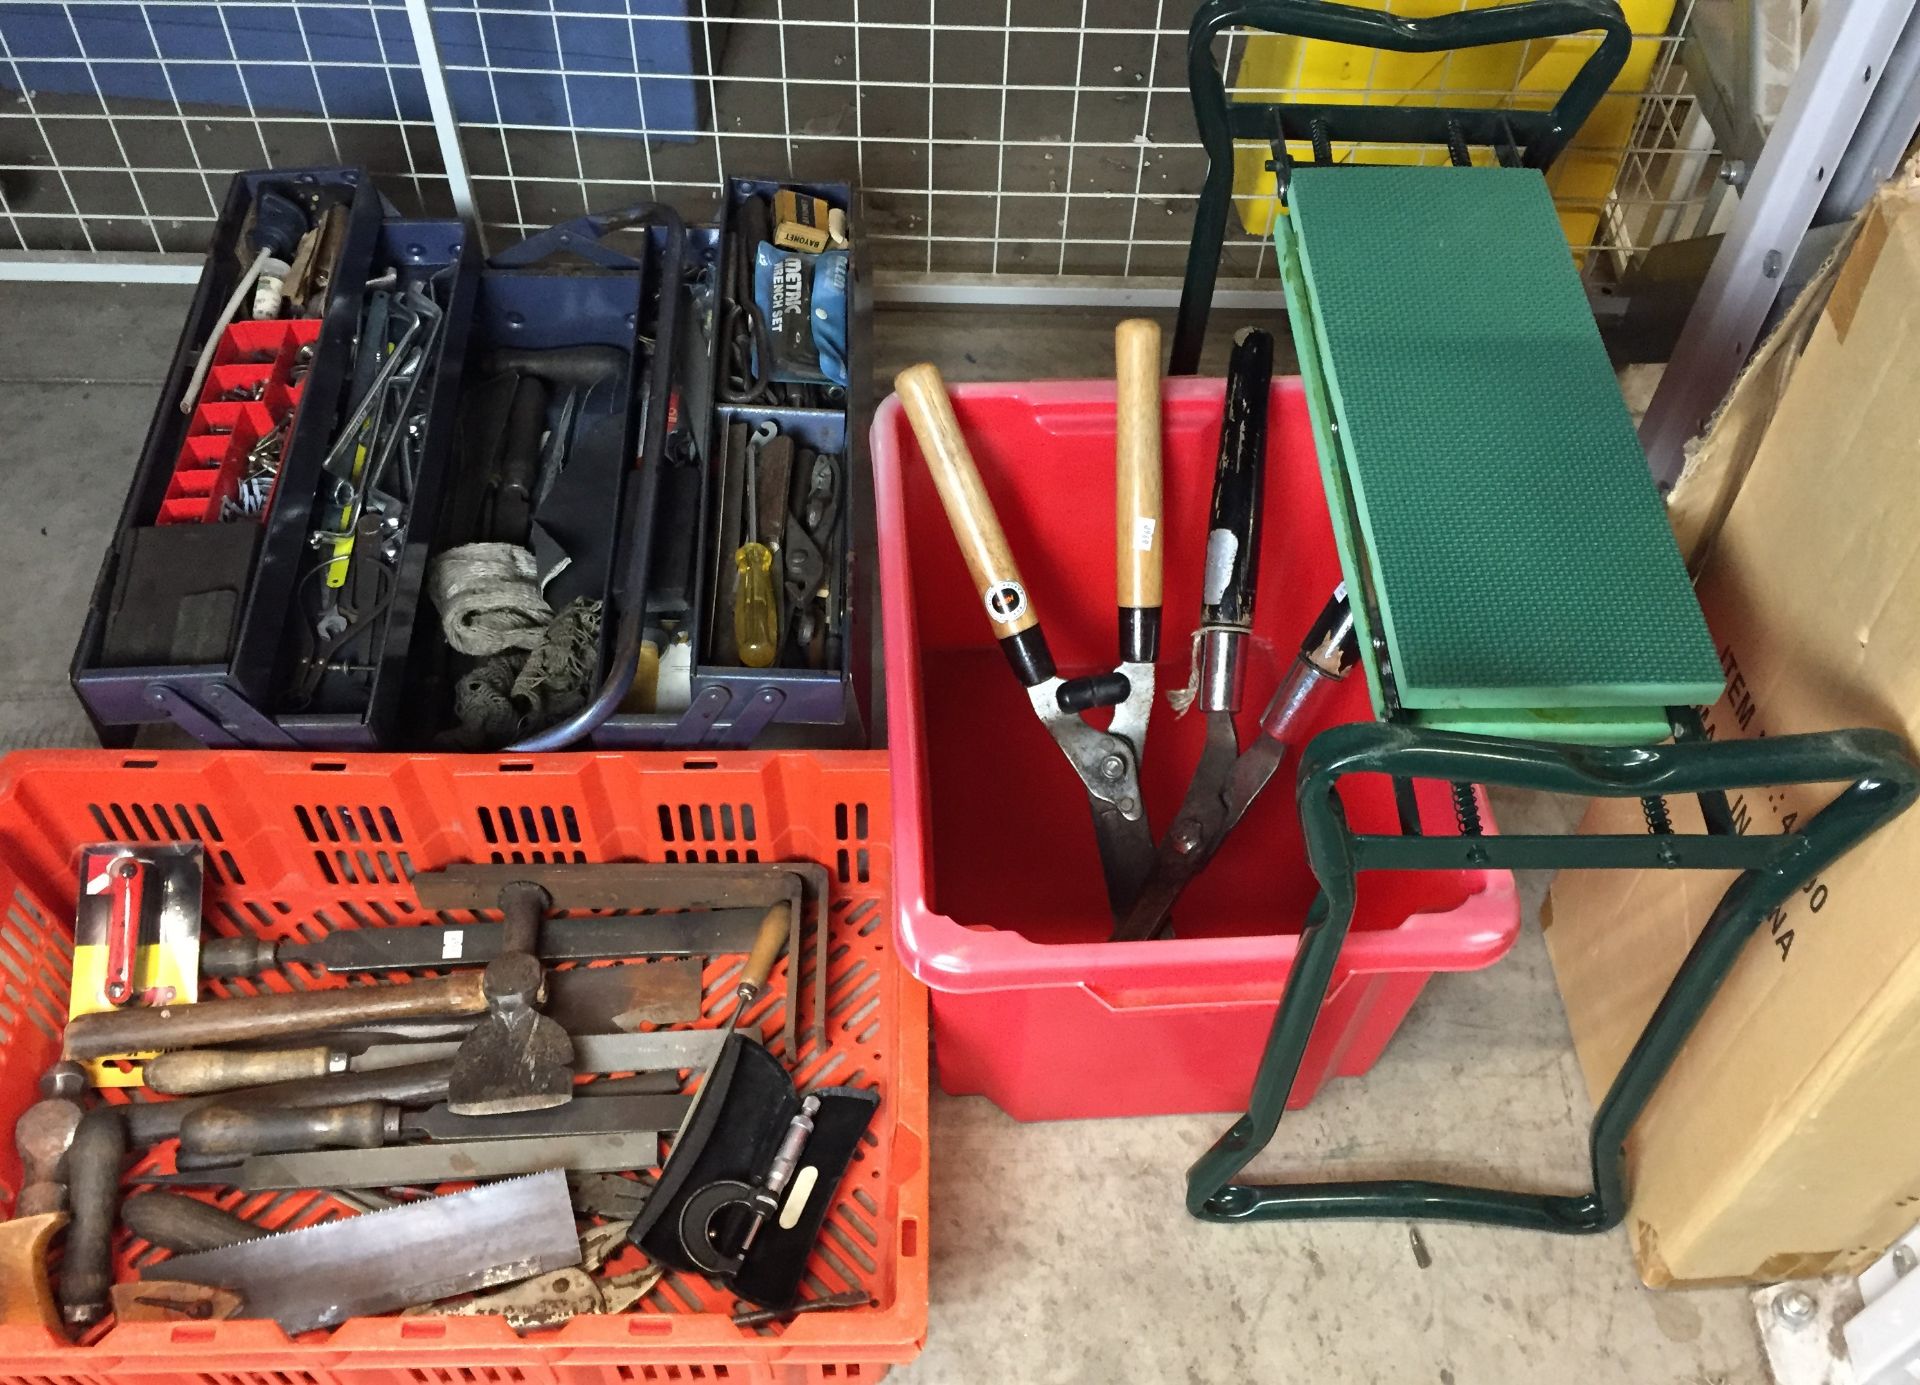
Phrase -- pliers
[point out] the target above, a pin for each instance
(1228, 778)
(1107, 762)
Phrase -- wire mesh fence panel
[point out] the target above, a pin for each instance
(994, 137)
(120, 123)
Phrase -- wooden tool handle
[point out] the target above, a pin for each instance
(772, 937)
(26, 1296)
(183, 1224)
(236, 1131)
(1136, 458)
(93, 1191)
(969, 510)
(420, 1084)
(524, 906)
(251, 1018)
(190, 1072)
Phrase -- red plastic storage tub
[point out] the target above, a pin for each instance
(999, 905)
(299, 845)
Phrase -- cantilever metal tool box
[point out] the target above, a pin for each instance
(732, 705)
(208, 650)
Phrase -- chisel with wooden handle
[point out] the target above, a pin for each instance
(419, 1083)
(249, 1019)
(759, 964)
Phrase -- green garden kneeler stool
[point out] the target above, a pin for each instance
(1523, 614)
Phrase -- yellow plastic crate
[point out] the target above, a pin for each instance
(1523, 75)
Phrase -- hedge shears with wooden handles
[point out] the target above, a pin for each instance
(1107, 762)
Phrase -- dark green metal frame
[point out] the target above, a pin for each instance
(1533, 139)
(1881, 780)
(1880, 777)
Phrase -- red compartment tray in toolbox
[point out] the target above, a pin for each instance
(297, 846)
(254, 385)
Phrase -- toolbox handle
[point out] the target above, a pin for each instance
(629, 588)
(582, 236)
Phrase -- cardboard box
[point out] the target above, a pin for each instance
(800, 221)
(1782, 1143)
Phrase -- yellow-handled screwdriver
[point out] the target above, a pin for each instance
(756, 608)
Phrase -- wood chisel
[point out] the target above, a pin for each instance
(236, 1131)
(435, 947)
(417, 1084)
(424, 1166)
(322, 1275)
(216, 1070)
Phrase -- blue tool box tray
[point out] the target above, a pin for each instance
(733, 706)
(234, 694)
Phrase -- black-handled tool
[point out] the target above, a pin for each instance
(176, 1222)
(1239, 486)
(93, 1193)
(510, 506)
(1227, 588)
(445, 947)
(1223, 788)
(569, 367)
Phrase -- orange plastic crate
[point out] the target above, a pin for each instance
(298, 845)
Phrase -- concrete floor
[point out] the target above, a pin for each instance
(1060, 1253)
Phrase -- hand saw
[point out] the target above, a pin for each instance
(322, 1275)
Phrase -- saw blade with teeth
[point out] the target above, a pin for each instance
(319, 1276)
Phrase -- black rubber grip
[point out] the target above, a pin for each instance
(93, 1197)
(1095, 690)
(1335, 624)
(1139, 634)
(183, 1224)
(1027, 652)
(519, 462)
(1233, 523)
(570, 367)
